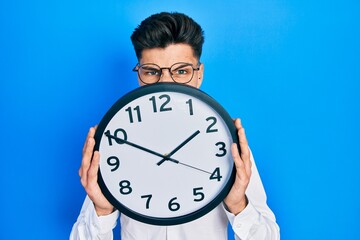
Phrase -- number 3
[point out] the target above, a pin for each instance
(221, 148)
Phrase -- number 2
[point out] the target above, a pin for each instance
(210, 128)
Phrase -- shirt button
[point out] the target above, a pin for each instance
(238, 225)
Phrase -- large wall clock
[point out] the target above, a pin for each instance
(165, 155)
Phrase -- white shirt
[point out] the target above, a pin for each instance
(255, 222)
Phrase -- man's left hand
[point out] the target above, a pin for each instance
(236, 200)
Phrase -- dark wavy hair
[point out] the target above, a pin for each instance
(162, 29)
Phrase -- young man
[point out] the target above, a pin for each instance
(161, 42)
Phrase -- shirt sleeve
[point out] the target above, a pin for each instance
(256, 221)
(90, 226)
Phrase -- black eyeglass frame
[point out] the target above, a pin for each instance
(138, 66)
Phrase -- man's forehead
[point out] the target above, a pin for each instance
(171, 54)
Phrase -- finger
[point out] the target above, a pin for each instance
(241, 171)
(86, 140)
(94, 167)
(90, 134)
(92, 184)
(236, 156)
(241, 133)
(86, 160)
(244, 145)
(88, 145)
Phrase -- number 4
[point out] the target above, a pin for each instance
(216, 174)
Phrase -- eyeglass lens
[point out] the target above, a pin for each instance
(180, 72)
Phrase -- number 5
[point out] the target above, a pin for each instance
(200, 195)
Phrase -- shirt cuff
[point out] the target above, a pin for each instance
(242, 222)
(103, 224)
(108, 222)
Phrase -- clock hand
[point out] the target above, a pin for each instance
(141, 148)
(155, 153)
(177, 148)
(202, 170)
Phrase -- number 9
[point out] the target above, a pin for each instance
(113, 162)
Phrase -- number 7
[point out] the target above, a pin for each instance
(148, 200)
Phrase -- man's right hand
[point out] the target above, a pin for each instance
(88, 173)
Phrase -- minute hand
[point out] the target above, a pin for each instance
(141, 147)
(154, 153)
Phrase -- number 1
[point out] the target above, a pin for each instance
(191, 111)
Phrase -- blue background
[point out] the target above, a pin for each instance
(289, 69)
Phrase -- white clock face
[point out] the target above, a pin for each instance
(165, 154)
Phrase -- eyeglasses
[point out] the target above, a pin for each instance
(150, 73)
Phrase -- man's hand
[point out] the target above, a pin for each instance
(236, 200)
(88, 176)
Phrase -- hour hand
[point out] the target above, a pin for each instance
(140, 147)
(178, 147)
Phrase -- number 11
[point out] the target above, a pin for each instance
(137, 110)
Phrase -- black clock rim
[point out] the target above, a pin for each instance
(154, 88)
